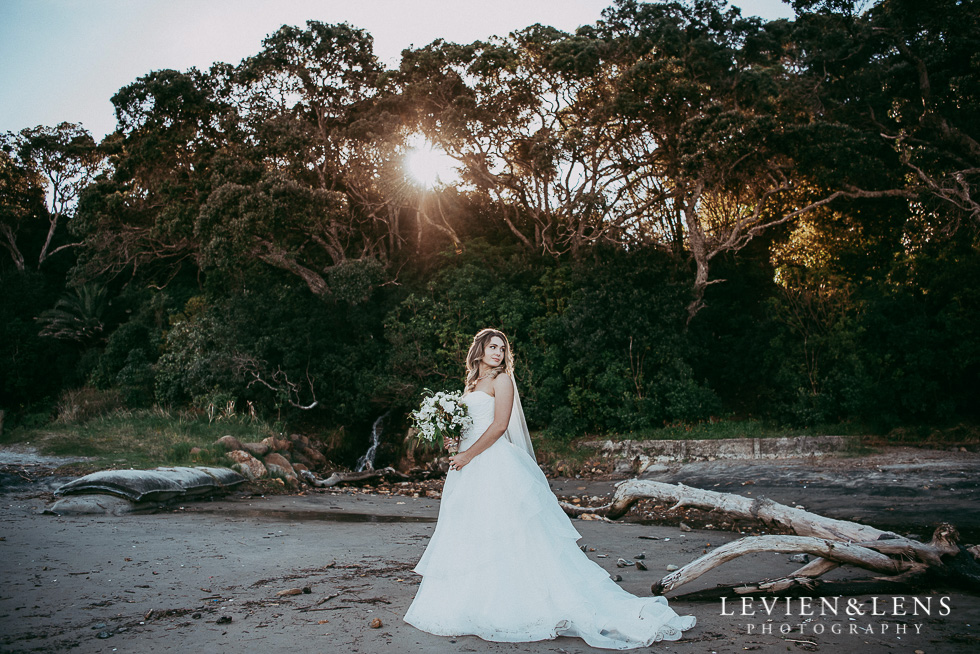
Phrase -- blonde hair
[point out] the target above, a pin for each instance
(477, 350)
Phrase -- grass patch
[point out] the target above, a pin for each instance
(572, 453)
(139, 438)
(82, 404)
(729, 428)
(960, 435)
(861, 446)
(568, 459)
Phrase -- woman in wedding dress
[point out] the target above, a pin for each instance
(503, 563)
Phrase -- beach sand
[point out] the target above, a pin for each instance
(205, 577)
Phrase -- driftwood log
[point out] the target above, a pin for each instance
(904, 562)
(341, 478)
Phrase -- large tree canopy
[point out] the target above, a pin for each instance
(263, 217)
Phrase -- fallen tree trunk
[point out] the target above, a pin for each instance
(957, 571)
(799, 521)
(908, 563)
(857, 555)
(805, 587)
(773, 514)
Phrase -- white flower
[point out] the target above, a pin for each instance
(441, 415)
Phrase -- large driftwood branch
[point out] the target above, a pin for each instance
(815, 568)
(808, 587)
(799, 521)
(862, 557)
(955, 570)
(907, 562)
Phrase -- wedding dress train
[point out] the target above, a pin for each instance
(503, 563)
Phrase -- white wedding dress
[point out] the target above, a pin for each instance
(503, 563)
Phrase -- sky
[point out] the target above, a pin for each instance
(63, 60)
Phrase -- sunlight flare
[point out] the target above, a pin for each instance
(429, 165)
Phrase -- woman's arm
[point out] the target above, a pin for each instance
(503, 394)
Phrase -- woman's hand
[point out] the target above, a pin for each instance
(451, 444)
(459, 461)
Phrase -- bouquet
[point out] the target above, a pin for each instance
(441, 416)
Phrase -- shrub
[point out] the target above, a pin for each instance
(82, 404)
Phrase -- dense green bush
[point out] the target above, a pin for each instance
(904, 349)
(126, 363)
(431, 329)
(614, 353)
(197, 358)
(277, 346)
(599, 346)
(920, 342)
(603, 345)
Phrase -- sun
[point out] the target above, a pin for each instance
(429, 165)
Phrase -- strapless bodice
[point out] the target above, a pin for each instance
(480, 408)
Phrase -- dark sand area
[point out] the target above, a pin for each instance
(170, 581)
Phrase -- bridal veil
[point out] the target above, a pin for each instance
(517, 432)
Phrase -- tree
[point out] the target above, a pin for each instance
(527, 118)
(297, 102)
(923, 59)
(65, 159)
(299, 95)
(77, 317)
(277, 220)
(732, 129)
(173, 142)
(678, 125)
(240, 164)
(21, 205)
(904, 74)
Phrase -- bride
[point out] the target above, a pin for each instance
(502, 563)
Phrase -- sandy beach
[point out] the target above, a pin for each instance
(208, 576)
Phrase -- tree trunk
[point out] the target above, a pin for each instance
(698, 245)
(11, 245)
(52, 226)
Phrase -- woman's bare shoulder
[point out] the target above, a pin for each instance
(501, 382)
